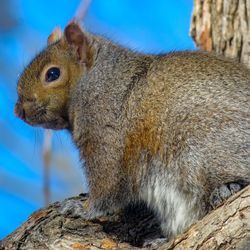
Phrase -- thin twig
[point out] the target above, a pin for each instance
(82, 9)
(46, 163)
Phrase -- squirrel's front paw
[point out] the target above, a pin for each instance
(78, 208)
(73, 208)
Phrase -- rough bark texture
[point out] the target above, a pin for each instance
(223, 26)
(48, 229)
(227, 227)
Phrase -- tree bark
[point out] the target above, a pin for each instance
(222, 26)
(227, 227)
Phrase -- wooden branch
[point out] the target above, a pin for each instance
(227, 227)
(223, 26)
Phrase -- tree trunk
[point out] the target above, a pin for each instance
(227, 227)
(222, 26)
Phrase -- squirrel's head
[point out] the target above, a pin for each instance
(44, 86)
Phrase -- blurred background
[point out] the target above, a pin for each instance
(143, 25)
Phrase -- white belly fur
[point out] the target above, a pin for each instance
(160, 193)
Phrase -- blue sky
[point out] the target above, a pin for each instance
(143, 25)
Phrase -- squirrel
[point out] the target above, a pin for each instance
(167, 130)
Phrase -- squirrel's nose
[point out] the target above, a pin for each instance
(19, 110)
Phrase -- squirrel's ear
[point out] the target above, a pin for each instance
(55, 36)
(76, 38)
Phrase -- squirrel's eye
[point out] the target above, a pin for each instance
(52, 74)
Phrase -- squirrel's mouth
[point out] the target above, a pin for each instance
(19, 111)
(39, 116)
(30, 113)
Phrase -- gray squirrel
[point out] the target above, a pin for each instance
(170, 130)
